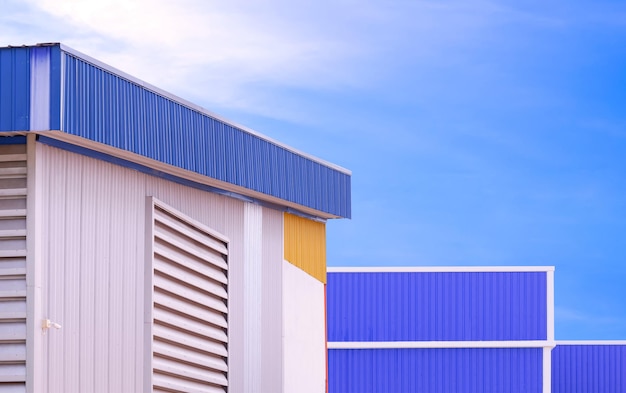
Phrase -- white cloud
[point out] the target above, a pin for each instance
(240, 55)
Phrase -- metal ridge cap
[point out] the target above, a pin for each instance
(196, 107)
(437, 269)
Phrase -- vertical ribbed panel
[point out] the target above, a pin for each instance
(475, 370)
(106, 108)
(304, 332)
(14, 89)
(40, 88)
(253, 259)
(190, 313)
(589, 369)
(305, 245)
(13, 268)
(428, 306)
(272, 307)
(93, 259)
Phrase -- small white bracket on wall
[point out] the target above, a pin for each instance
(47, 324)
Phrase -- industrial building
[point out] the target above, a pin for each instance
(147, 244)
(465, 329)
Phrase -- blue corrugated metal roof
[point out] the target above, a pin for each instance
(14, 89)
(589, 369)
(427, 306)
(103, 105)
(476, 370)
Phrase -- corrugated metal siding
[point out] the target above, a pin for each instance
(253, 259)
(13, 192)
(190, 313)
(589, 369)
(106, 108)
(305, 245)
(93, 259)
(463, 370)
(436, 306)
(271, 299)
(14, 89)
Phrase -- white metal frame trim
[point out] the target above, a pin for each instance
(439, 344)
(591, 342)
(443, 269)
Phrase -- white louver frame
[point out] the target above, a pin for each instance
(13, 189)
(187, 329)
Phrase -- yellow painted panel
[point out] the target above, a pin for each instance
(305, 245)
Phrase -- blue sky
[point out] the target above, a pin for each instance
(478, 132)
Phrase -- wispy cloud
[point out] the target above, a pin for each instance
(238, 54)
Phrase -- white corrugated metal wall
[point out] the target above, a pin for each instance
(93, 253)
(272, 295)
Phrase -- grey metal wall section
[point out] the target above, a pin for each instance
(429, 306)
(104, 107)
(589, 369)
(93, 220)
(272, 302)
(14, 89)
(465, 370)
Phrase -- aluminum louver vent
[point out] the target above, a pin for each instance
(190, 305)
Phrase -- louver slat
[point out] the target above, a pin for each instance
(13, 268)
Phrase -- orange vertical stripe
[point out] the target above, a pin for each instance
(305, 245)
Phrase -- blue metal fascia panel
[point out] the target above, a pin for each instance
(15, 89)
(12, 140)
(108, 108)
(434, 306)
(436, 370)
(589, 369)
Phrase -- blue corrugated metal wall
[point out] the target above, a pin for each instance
(14, 89)
(475, 370)
(589, 369)
(106, 108)
(425, 306)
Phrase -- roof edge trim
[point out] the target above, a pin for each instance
(127, 159)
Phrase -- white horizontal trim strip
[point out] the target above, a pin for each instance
(591, 342)
(439, 344)
(438, 269)
(195, 107)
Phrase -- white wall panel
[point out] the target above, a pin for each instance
(272, 307)
(93, 246)
(304, 332)
(253, 239)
